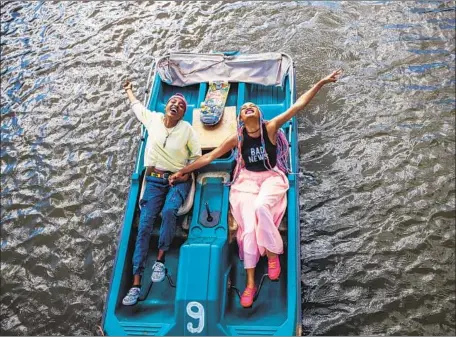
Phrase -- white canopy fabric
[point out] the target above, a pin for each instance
(182, 69)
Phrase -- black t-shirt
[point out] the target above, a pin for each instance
(254, 154)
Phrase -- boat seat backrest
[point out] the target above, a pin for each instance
(187, 205)
(271, 110)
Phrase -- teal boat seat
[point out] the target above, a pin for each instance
(271, 110)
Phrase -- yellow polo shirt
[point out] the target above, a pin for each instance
(182, 145)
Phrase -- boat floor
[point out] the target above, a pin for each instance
(158, 304)
(270, 303)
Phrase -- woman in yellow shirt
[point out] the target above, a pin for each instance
(172, 144)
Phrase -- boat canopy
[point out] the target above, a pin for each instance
(183, 69)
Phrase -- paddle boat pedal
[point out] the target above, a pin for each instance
(145, 294)
(238, 292)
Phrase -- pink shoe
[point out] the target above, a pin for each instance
(247, 297)
(274, 268)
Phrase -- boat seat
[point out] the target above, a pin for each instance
(233, 226)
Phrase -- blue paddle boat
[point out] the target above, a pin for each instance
(200, 294)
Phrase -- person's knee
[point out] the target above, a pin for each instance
(260, 207)
(169, 212)
(145, 224)
(148, 213)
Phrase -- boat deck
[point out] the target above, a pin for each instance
(202, 262)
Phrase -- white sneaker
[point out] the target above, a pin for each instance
(132, 297)
(158, 272)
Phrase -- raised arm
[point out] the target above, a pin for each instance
(140, 110)
(204, 160)
(129, 90)
(303, 100)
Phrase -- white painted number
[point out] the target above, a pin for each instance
(198, 314)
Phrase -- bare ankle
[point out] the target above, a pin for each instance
(250, 284)
(136, 280)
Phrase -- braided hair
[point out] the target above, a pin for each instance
(281, 144)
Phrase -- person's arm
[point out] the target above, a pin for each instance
(194, 146)
(140, 110)
(223, 148)
(302, 101)
(129, 90)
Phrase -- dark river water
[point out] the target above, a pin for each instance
(377, 159)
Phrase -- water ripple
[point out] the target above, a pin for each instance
(377, 152)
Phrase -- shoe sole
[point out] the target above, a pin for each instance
(249, 307)
(275, 279)
(129, 304)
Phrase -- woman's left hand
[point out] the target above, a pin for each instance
(178, 177)
(333, 77)
(184, 177)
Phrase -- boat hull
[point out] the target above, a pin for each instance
(200, 294)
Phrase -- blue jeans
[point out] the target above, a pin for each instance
(158, 196)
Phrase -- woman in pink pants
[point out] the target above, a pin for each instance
(258, 191)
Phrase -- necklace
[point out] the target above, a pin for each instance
(252, 131)
(168, 133)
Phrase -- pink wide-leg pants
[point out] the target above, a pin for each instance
(258, 201)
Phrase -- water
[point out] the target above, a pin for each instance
(377, 161)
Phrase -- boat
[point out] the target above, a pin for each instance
(200, 294)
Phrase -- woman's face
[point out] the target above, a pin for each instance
(175, 108)
(249, 110)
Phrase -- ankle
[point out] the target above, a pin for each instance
(137, 281)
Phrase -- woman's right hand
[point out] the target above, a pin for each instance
(127, 85)
(175, 177)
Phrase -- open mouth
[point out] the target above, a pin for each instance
(249, 112)
(173, 109)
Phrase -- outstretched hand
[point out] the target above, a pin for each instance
(333, 77)
(127, 85)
